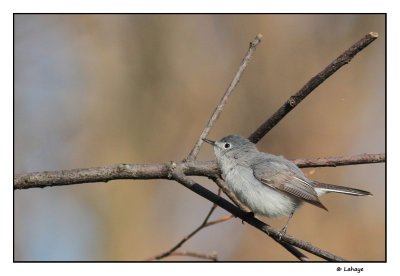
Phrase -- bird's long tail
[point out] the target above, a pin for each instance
(323, 188)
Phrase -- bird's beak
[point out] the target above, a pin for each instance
(209, 141)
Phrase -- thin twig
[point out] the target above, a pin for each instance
(313, 83)
(218, 221)
(253, 45)
(161, 171)
(270, 231)
(212, 257)
(204, 224)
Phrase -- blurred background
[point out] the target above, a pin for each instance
(94, 90)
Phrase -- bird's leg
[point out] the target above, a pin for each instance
(283, 231)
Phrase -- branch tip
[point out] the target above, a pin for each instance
(374, 34)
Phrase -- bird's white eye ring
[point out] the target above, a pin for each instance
(227, 145)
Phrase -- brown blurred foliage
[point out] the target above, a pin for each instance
(142, 89)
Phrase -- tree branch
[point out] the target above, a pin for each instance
(340, 160)
(313, 83)
(163, 171)
(253, 45)
(204, 224)
(179, 176)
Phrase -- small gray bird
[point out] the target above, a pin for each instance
(268, 184)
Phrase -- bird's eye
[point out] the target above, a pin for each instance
(227, 145)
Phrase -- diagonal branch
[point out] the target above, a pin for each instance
(313, 83)
(224, 99)
(179, 176)
(246, 209)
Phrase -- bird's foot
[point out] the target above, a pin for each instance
(281, 233)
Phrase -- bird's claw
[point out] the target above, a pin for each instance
(281, 233)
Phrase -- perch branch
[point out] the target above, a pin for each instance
(340, 160)
(313, 83)
(162, 171)
(253, 45)
(179, 176)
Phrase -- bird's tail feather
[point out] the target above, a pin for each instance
(323, 188)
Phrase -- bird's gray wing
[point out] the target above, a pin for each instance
(278, 176)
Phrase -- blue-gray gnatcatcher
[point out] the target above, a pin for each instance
(269, 185)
